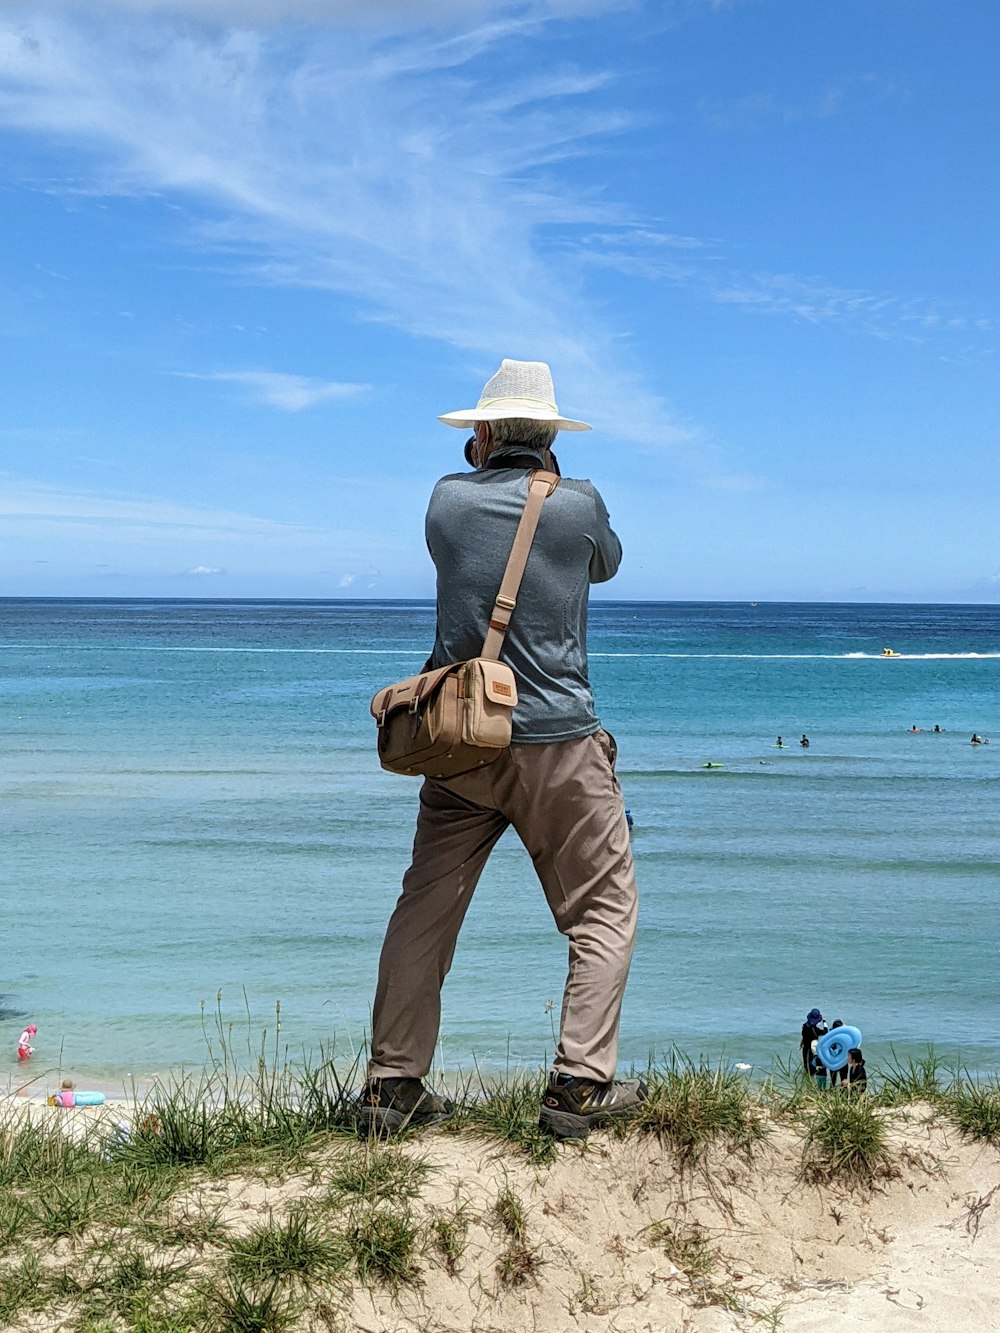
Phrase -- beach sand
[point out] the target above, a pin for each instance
(765, 1248)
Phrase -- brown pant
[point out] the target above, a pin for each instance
(565, 804)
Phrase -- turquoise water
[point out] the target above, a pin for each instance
(190, 804)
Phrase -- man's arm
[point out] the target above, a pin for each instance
(607, 552)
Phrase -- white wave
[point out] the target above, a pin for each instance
(183, 648)
(410, 652)
(814, 657)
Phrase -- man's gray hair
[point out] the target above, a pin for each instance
(520, 430)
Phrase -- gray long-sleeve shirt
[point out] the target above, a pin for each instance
(471, 520)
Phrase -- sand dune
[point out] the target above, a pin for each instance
(620, 1237)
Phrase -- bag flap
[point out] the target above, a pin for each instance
(402, 694)
(498, 682)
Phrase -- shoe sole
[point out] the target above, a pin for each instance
(384, 1122)
(566, 1125)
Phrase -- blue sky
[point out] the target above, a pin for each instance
(246, 263)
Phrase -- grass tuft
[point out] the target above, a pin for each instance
(241, 1307)
(692, 1106)
(14, 1218)
(975, 1109)
(65, 1209)
(690, 1250)
(509, 1214)
(846, 1137)
(22, 1288)
(507, 1110)
(130, 1284)
(449, 1232)
(916, 1079)
(372, 1172)
(294, 1248)
(196, 1225)
(518, 1263)
(383, 1244)
(33, 1151)
(687, 1247)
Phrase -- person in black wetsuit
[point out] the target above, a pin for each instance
(812, 1029)
(857, 1075)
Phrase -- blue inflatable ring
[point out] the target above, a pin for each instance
(833, 1046)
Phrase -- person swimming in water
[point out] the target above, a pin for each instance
(804, 742)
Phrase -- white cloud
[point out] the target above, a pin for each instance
(753, 110)
(268, 13)
(347, 580)
(289, 392)
(92, 530)
(33, 505)
(707, 268)
(368, 165)
(879, 314)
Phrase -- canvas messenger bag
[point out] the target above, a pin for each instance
(454, 718)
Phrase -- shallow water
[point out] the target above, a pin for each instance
(191, 804)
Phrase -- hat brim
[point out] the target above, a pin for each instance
(472, 415)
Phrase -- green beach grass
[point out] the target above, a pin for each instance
(105, 1230)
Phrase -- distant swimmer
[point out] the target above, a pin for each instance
(915, 728)
(979, 740)
(937, 729)
(779, 744)
(804, 742)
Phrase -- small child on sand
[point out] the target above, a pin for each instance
(66, 1096)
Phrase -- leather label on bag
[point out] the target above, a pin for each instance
(498, 683)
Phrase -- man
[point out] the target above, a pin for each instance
(556, 783)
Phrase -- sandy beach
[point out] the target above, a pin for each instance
(621, 1235)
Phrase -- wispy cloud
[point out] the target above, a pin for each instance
(90, 529)
(92, 534)
(266, 13)
(879, 314)
(751, 111)
(30, 503)
(709, 268)
(291, 393)
(389, 169)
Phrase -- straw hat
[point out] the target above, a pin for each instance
(518, 389)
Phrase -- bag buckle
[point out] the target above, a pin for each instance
(417, 694)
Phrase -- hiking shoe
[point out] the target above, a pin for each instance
(390, 1105)
(571, 1107)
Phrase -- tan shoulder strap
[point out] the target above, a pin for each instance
(540, 487)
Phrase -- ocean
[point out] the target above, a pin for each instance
(192, 809)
